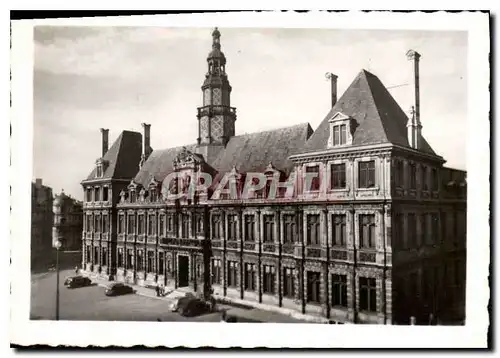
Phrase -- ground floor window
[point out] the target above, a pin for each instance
(130, 261)
(231, 273)
(250, 270)
(367, 294)
(216, 271)
(104, 258)
(139, 264)
(96, 256)
(161, 263)
(269, 279)
(313, 287)
(151, 258)
(120, 257)
(88, 254)
(288, 282)
(339, 290)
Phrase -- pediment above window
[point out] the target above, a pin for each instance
(187, 159)
(341, 128)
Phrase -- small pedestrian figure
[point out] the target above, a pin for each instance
(157, 291)
(76, 270)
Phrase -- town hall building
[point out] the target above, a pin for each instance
(376, 236)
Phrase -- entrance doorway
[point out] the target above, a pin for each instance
(183, 271)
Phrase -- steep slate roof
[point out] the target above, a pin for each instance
(379, 117)
(159, 164)
(254, 152)
(248, 152)
(123, 157)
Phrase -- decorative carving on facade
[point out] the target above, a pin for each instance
(367, 257)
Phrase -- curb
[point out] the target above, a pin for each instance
(140, 293)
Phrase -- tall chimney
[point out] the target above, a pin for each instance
(414, 125)
(333, 81)
(38, 183)
(105, 135)
(146, 142)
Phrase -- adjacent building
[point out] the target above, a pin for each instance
(41, 222)
(68, 222)
(374, 231)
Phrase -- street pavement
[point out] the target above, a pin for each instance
(91, 304)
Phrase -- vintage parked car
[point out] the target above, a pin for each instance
(117, 289)
(190, 306)
(77, 281)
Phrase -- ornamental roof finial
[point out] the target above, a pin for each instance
(216, 38)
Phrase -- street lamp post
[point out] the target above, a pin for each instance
(57, 245)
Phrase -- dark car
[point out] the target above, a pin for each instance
(192, 306)
(117, 289)
(77, 281)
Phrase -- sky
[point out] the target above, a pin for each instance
(87, 78)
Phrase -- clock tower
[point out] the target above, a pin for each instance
(216, 117)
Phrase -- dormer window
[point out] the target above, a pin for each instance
(341, 129)
(339, 135)
(100, 167)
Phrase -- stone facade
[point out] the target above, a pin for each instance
(368, 240)
(41, 222)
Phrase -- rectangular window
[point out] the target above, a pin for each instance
(423, 172)
(151, 259)
(97, 194)
(140, 224)
(216, 272)
(249, 228)
(313, 287)
(104, 260)
(367, 231)
(367, 174)
(132, 196)
(231, 227)
(367, 294)
(89, 254)
(105, 194)
(89, 224)
(99, 171)
(151, 224)
(231, 273)
(434, 237)
(96, 255)
(216, 227)
(312, 175)
(89, 195)
(339, 290)
(434, 179)
(413, 175)
(139, 259)
(250, 271)
(288, 282)
(185, 225)
(161, 263)
(153, 195)
(105, 223)
(313, 237)
(399, 173)
(130, 261)
(162, 225)
(97, 223)
(268, 228)
(269, 286)
(131, 224)
(339, 230)
(339, 134)
(289, 228)
(120, 257)
(337, 172)
(412, 231)
(121, 223)
(399, 239)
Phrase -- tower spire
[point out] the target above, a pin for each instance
(216, 117)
